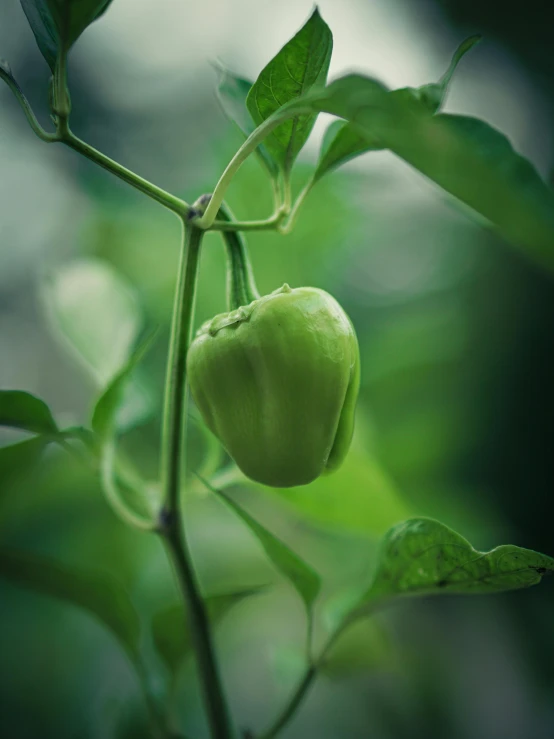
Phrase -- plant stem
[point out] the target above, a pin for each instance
(249, 146)
(303, 686)
(173, 203)
(311, 672)
(114, 497)
(241, 285)
(264, 225)
(173, 436)
(285, 228)
(174, 416)
(62, 101)
(291, 707)
(24, 103)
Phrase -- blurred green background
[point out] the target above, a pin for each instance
(457, 399)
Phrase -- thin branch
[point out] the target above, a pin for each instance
(248, 147)
(286, 228)
(173, 203)
(8, 78)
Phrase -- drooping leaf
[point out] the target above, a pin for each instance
(21, 410)
(301, 65)
(57, 24)
(477, 164)
(99, 594)
(301, 576)
(465, 156)
(232, 92)
(170, 628)
(424, 557)
(342, 141)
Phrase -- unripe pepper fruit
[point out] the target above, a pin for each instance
(277, 381)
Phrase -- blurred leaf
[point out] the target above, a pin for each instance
(465, 156)
(98, 594)
(22, 410)
(17, 459)
(104, 416)
(98, 317)
(301, 576)
(424, 557)
(57, 24)
(232, 92)
(96, 313)
(170, 627)
(342, 141)
(301, 64)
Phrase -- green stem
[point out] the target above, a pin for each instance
(173, 203)
(66, 136)
(285, 228)
(248, 147)
(113, 494)
(24, 103)
(264, 225)
(241, 286)
(292, 706)
(173, 436)
(174, 417)
(310, 673)
(62, 101)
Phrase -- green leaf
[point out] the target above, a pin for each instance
(57, 24)
(232, 92)
(22, 410)
(341, 143)
(18, 459)
(99, 594)
(477, 164)
(302, 577)
(170, 628)
(465, 156)
(95, 313)
(302, 64)
(424, 557)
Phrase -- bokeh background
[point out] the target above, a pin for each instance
(457, 399)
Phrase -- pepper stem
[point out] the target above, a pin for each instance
(241, 285)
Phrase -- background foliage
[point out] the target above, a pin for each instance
(456, 405)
